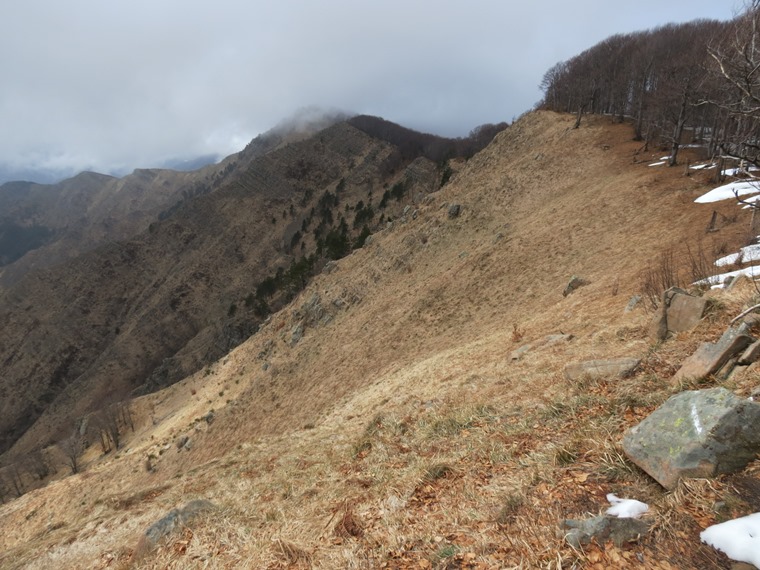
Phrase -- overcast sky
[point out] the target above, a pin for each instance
(115, 84)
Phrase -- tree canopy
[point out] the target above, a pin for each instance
(701, 77)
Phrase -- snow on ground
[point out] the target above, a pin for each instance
(747, 254)
(739, 539)
(657, 163)
(716, 281)
(728, 191)
(735, 171)
(625, 508)
(749, 201)
(701, 166)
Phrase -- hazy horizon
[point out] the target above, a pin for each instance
(112, 87)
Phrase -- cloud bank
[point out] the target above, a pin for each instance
(109, 86)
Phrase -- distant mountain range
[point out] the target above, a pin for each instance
(53, 176)
(117, 286)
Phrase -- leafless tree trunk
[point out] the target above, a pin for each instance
(112, 421)
(72, 447)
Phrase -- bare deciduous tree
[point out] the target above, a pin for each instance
(736, 59)
(73, 447)
(656, 78)
(112, 421)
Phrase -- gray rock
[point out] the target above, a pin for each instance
(407, 209)
(182, 441)
(751, 354)
(552, 339)
(632, 303)
(599, 369)
(415, 214)
(296, 334)
(174, 519)
(684, 311)
(209, 417)
(454, 210)
(574, 283)
(710, 357)
(329, 267)
(603, 528)
(517, 353)
(696, 434)
(311, 312)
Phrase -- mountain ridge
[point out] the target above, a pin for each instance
(150, 310)
(384, 394)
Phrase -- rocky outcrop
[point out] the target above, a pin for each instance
(696, 434)
(677, 312)
(712, 357)
(599, 369)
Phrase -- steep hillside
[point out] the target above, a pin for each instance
(144, 313)
(378, 420)
(42, 225)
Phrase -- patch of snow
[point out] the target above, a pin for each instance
(665, 157)
(728, 191)
(716, 281)
(625, 508)
(739, 539)
(657, 163)
(748, 254)
(735, 171)
(701, 166)
(750, 200)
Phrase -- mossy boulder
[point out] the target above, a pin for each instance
(700, 433)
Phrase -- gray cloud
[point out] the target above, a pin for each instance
(107, 84)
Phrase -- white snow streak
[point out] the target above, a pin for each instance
(729, 191)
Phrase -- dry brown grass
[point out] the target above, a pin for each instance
(427, 447)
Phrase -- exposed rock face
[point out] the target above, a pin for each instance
(454, 210)
(711, 357)
(696, 434)
(597, 369)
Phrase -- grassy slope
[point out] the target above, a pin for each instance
(399, 433)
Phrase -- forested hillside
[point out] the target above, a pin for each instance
(680, 83)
